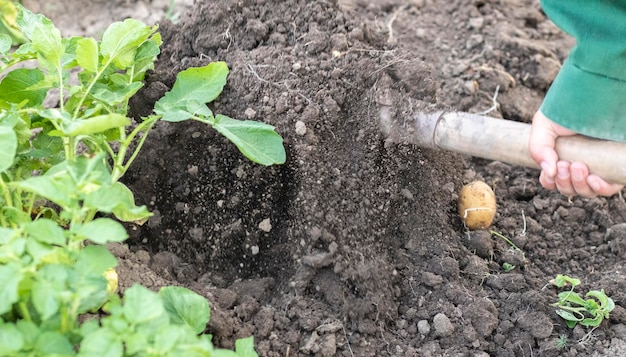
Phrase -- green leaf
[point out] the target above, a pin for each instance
(196, 84)
(126, 210)
(145, 57)
(8, 12)
(44, 299)
(174, 115)
(45, 37)
(137, 214)
(7, 234)
(114, 198)
(5, 43)
(48, 146)
(11, 340)
(561, 280)
(68, 60)
(88, 173)
(11, 250)
(39, 251)
(56, 188)
(257, 141)
(120, 42)
(568, 316)
(108, 197)
(90, 326)
(55, 115)
(119, 200)
(29, 330)
(87, 54)
(597, 320)
(185, 307)
(52, 343)
(93, 125)
(609, 305)
(46, 231)
(199, 109)
(94, 260)
(168, 338)
(142, 305)
(10, 277)
(55, 274)
(16, 87)
(606, 303)
(114, 95)
(136, 343)
(102, 231)
(87, 279)
(570, 323)
(570, 296)
(102, 343)
(8, 147)
(244, 347)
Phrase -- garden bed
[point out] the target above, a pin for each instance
(353, 247)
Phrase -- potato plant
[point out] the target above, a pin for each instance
(65, 142)
(574, 309)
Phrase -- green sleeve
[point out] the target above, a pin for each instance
(589, 93)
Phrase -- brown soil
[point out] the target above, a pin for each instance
(353, 247)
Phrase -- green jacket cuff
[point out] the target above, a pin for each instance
(587, 103)
(589, 93)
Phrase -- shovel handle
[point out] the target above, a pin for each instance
(507, 141)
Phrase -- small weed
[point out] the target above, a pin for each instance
(505, 238)
(508, 267)
(562, 342)
(576, 310)
(174, 17)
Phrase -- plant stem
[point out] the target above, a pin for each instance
(90, 87)
(61, 87)
(64, 320)
(24, 311)
(120, 167)
(5, 192)
(8, 203)
(499, 235)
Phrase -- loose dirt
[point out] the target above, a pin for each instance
(353, 247)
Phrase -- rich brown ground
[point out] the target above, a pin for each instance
(364, 254)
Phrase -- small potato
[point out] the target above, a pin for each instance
(112, 280)
(477, 205)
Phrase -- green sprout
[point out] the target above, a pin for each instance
(508, 267)
(576, 310)
(505, 238)
(171, 14)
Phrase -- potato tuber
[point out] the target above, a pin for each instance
(477, 205)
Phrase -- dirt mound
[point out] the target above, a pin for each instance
(352, 247)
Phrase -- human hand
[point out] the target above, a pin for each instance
(569, 178)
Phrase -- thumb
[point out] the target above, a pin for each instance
(542, 141)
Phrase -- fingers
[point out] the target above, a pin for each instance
(574, 180)
(570, 179)
(603, 188)
(548, 163)
(542, 142)
(547, 181)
